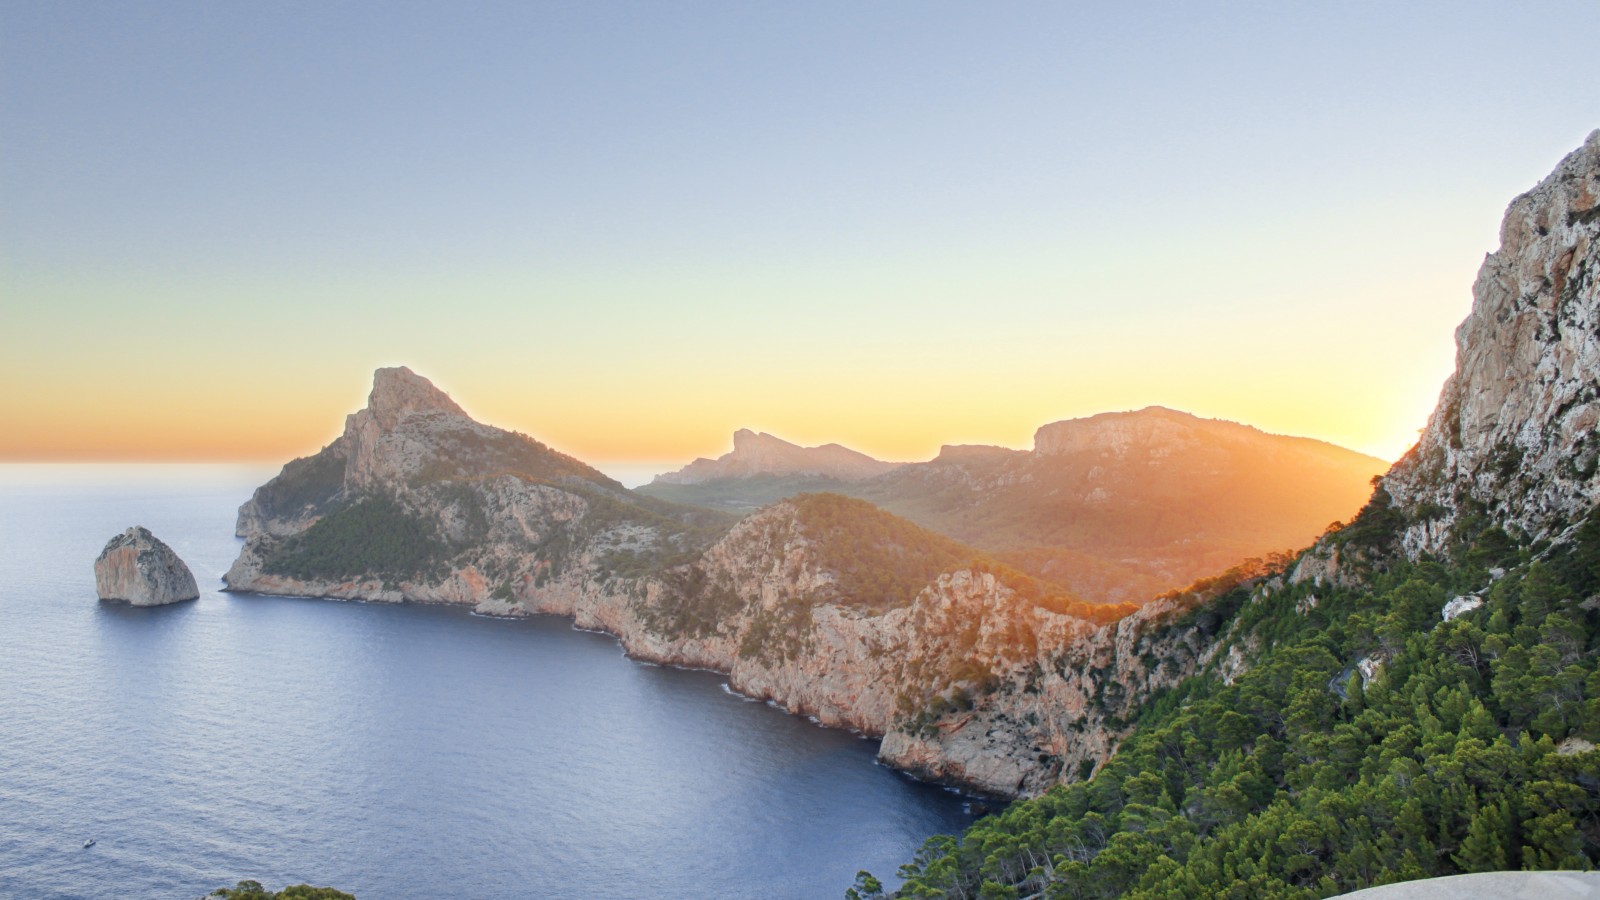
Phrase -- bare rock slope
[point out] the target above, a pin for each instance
(1514, 436)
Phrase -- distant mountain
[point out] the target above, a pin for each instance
(763, 455)
(1118, 506)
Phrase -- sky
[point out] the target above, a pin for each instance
(630, 228)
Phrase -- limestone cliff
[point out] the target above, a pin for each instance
(137, 567)
(1514, 437)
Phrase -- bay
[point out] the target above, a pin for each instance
(391, 751)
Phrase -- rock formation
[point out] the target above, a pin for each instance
(1469, 581)
(137, 568)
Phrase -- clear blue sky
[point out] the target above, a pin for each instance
(630, 228)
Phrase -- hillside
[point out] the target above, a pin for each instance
(1419, 693)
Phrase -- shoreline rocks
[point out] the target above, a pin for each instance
(137, 568)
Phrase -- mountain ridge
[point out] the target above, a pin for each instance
(1117, 506)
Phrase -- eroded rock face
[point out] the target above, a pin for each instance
(1514, 436)
(136, 567)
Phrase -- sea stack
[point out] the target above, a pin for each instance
(137, 568)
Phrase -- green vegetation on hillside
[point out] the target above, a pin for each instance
(308, 483)
(478, 451)
(685, 531)
(742, 494)
(1465, 753)
(373, 536)
(880, 560)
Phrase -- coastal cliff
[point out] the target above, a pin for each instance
(974, 673)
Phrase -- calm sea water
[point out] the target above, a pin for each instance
(392, 751)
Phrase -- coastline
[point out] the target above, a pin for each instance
(988, 799)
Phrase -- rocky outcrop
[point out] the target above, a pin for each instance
(763, 454)
(1514, 438)
(137, 568)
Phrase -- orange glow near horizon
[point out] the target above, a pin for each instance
(661, 366)
(897, 419)
(637, 240)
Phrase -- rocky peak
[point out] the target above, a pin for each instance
(398, 392)
(1515, 431)
(398, 418)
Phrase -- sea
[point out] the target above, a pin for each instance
(391, 751)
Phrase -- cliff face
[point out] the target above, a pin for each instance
(137, 567)
(1455, 617)
(1513, 439)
